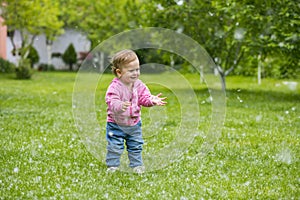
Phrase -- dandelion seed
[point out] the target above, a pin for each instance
(110, 134)
(106, 195)
(16, 170)
(160, 7)
(280, 118)
(240, 100)
(287, 112)
(281, 44)
(239, 34)
(180, 2)
(284, 156)
(258, 118)
(209, 99)
(247, 183)
(211, 14)
(37, 179)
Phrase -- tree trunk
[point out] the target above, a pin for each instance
(101, 60)
(259, 69)
(219, 71)
(49, 53)
(223, 79)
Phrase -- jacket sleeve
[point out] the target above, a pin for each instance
(144, 96)
(113, 100)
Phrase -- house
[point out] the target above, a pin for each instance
(79, 40)
(3, 37)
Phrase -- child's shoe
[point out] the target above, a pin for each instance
(112, 169)
(139, 169)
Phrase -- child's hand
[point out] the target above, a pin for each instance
(157, 100)
(125, 105)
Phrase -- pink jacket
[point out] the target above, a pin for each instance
(117, 93)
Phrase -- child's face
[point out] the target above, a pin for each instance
(129, 73)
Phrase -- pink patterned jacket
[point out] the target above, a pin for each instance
(117, 93)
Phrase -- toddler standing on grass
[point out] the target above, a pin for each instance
(124, 98)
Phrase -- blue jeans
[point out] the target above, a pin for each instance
(116, 135)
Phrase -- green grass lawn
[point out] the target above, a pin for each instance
(256, 157)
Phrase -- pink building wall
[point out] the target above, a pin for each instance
(3, 36)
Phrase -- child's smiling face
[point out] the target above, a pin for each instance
(130, 73)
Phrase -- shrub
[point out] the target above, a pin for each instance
(46, 67)
(33, 56)
(6, 66)
(24, 71)
(70, 57)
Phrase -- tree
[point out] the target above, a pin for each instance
(70, 56)
(100, 20)
(272, 33)
(33, 56)
(31, 18)
(235, 33)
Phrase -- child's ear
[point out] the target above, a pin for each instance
(118, 72)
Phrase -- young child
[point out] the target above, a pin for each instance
(124, 98)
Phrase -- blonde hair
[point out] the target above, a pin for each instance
(122, 58)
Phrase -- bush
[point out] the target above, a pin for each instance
(24, 71)
(6, 66)
(70, 57)
(46, 67)
(33, 56)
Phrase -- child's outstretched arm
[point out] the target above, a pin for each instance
(157, 100)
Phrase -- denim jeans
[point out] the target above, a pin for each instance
(116, 135)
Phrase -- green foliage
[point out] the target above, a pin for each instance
(33, 56)
(46, 67)
(70, 56)
(43, 156)
(233, 32)
(237, 32)
(6, 66)
(32, 18)
(24, 71)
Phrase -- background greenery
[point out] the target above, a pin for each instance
(244, 37)
(256, 157)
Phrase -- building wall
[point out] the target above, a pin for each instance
(80, 42)
(3, 35)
